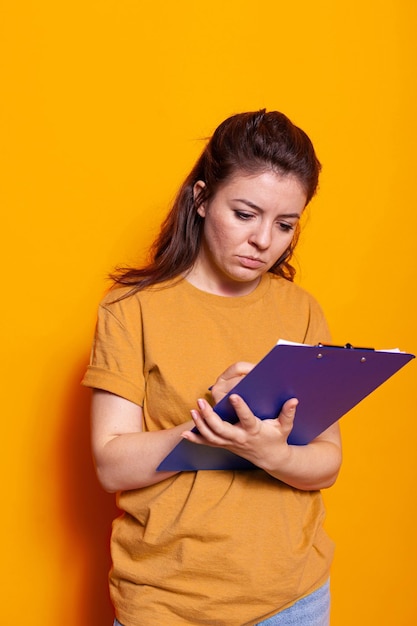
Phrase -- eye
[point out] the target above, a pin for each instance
(286, 227)
(243, 215)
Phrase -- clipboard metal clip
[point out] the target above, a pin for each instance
(347, 346)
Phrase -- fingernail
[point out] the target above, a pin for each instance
(201, 403)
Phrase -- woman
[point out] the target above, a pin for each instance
(226, 548)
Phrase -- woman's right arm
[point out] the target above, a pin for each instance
(125, 456)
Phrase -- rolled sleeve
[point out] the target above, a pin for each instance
(116, 361)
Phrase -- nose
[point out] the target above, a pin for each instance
(261, 236)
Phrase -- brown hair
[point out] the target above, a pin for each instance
(247, 142)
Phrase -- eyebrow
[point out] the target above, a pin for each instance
(252, 205)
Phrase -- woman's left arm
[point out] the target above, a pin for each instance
(264, 443)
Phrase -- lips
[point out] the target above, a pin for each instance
(251, 262)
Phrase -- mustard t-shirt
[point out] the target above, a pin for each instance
(214, 548)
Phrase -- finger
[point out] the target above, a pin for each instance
(215, 430)
(287, 414)
(204, 435)
(237, 370)
(209, 424)
(247, 419)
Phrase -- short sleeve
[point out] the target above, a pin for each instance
(116, 361)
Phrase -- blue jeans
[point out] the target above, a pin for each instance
(313, 610)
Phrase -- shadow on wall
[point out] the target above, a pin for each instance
(87, 510)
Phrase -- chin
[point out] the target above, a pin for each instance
(246, 276)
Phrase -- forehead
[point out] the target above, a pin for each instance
(265, 183)
(258, 174)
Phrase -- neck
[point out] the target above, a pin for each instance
(226, 288)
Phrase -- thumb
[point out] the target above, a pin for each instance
(287, 414)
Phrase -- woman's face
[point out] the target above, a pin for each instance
(248, 224)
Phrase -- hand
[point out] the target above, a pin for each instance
(263, 442)
(229, 378)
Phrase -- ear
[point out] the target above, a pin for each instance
(197, 190)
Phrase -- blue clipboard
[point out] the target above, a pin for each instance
(327, 380)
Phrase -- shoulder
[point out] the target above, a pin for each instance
(119, 304)
(303, 314)
(123, 301)
(294, 292)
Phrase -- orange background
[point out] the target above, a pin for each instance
(103, 107)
